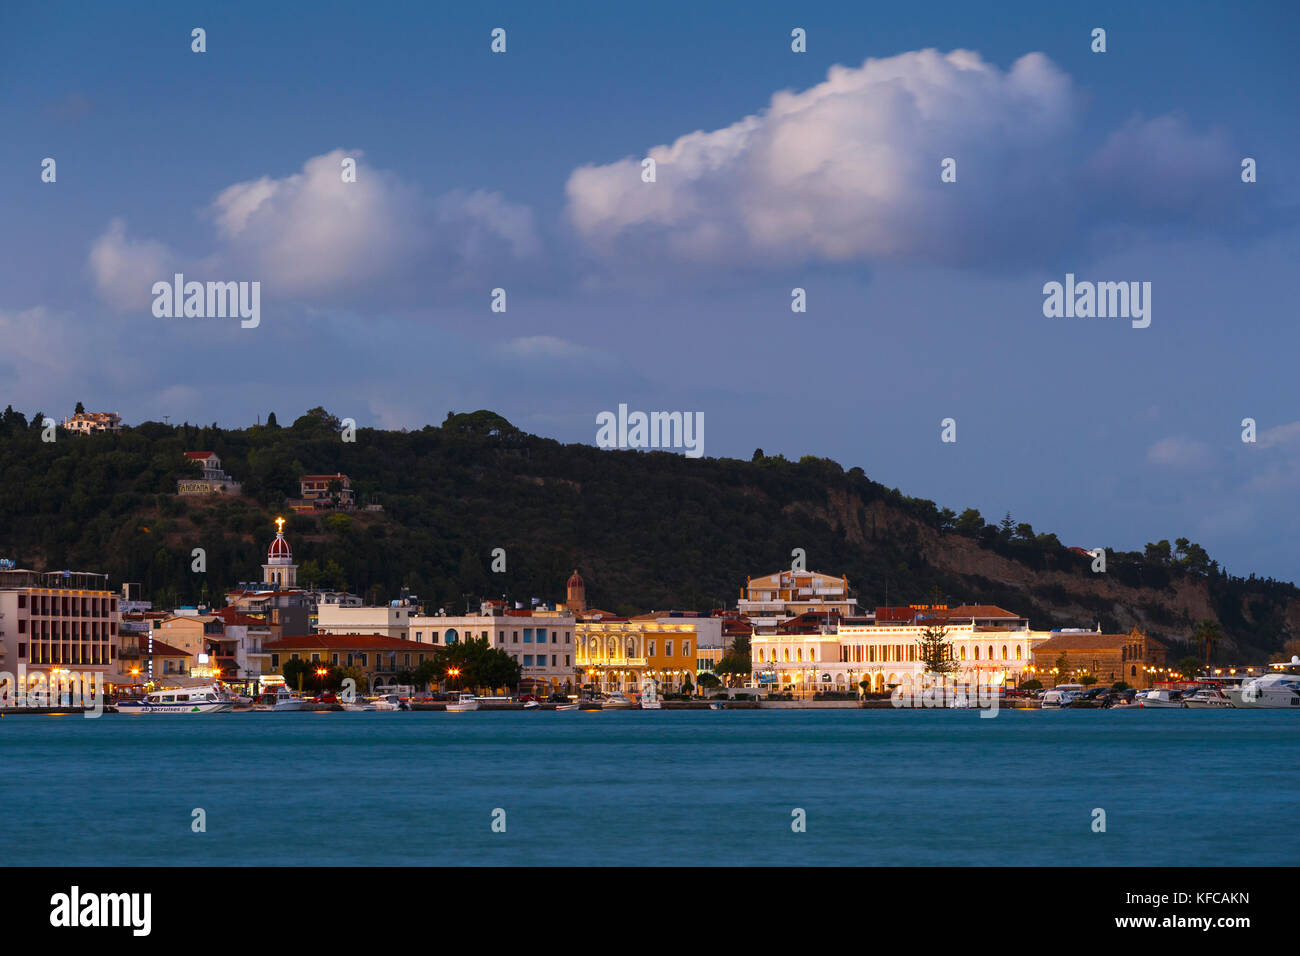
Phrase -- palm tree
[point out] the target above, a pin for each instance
(1208, 634)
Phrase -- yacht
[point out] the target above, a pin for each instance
(1208, 697)
(1062, 695)
(1164, 698)
(1277, 691)
(566, 706)
(359, 705)
(615, 700)
(389, 702)
(181, 700)
(463, 702)
(281, 701)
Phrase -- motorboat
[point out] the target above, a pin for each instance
(281, 701)
(1208, 697)
(1164, 698)
(1062, 695)
(462, 703)
(359, 705)
(1276, 691)
(650, 695)
(532, 705)
(717, 706)
(566, 706)
(616, 700)
(389, 702)
(181, 700)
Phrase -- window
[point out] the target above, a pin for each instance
(334, 659)
(451, 635)
(668, 648)
(567, 636)
(528, 635)
(552, 660)
(501, 637)
(22, 651)
(566, 660)
(419, 637)
(515, 639)
(528, 660)
(650, 648)
(686, 648)
(22, 626)
(22, 601)
(555, 637)
(363, 659)
(1004, 652)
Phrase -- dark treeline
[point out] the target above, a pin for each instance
(647, 530)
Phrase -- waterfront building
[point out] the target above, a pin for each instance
(773, 598)
(59, 621)
(83, 423)
(1130, 657)
(379, 656)
(540, 639)
(839, 656)
(615, 653)
(390, 620)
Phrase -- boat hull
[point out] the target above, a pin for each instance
(218, 707)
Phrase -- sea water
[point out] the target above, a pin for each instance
(875, 787)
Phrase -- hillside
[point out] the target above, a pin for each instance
(647, 531)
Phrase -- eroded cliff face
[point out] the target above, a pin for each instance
(1069, 599)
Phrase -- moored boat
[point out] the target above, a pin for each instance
(1062, 695)
(566, 706)
(462, 703)
(1208, 697)
(1280, 691)
(616, 700)
(1163, 698)
(281, 701)
(180, 700)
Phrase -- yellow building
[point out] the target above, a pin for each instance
(615, 655)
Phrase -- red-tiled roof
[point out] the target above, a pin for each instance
(234, 618)
(199, 455)
(162, 649)
(343, 642)
(979, 610)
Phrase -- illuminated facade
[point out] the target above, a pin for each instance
(615, 655)
(772, 599)
(885, 655)
(53, 622)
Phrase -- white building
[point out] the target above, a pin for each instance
(540, 640)
(390, 620)
(885, 655)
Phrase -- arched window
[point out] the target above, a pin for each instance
(963, 653)
(990, 652)
(787, 655)
(1133, 671)
(812, 653)
(977, 652)
(451, 636)
(798, 653)
(1018, 652)
(1004, 652)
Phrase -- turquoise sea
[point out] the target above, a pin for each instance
(878, 787)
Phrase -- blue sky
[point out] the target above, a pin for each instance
(521, 170)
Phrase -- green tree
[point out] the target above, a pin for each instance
(1207, 636)
(935, 650)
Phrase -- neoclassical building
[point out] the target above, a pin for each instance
(615, 655)
(839, 657)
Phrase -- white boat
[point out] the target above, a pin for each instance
(716, 706)
(615, 700)
(1163, 698)
(359, 706)
(1062, 695)
(1208, 697)
(283, 700)
(650, 695)
(1277, 691)
(566, 706)
(389, 702)
(532, 705)
(463, 702)
(181, 700)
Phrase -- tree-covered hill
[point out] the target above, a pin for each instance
(647, 530)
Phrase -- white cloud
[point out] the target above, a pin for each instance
(849, 171)
(548, 347)
(124, 270)
(1179, 453)
(313, 238)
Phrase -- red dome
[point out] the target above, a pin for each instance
(279, 549)
(575, 581)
